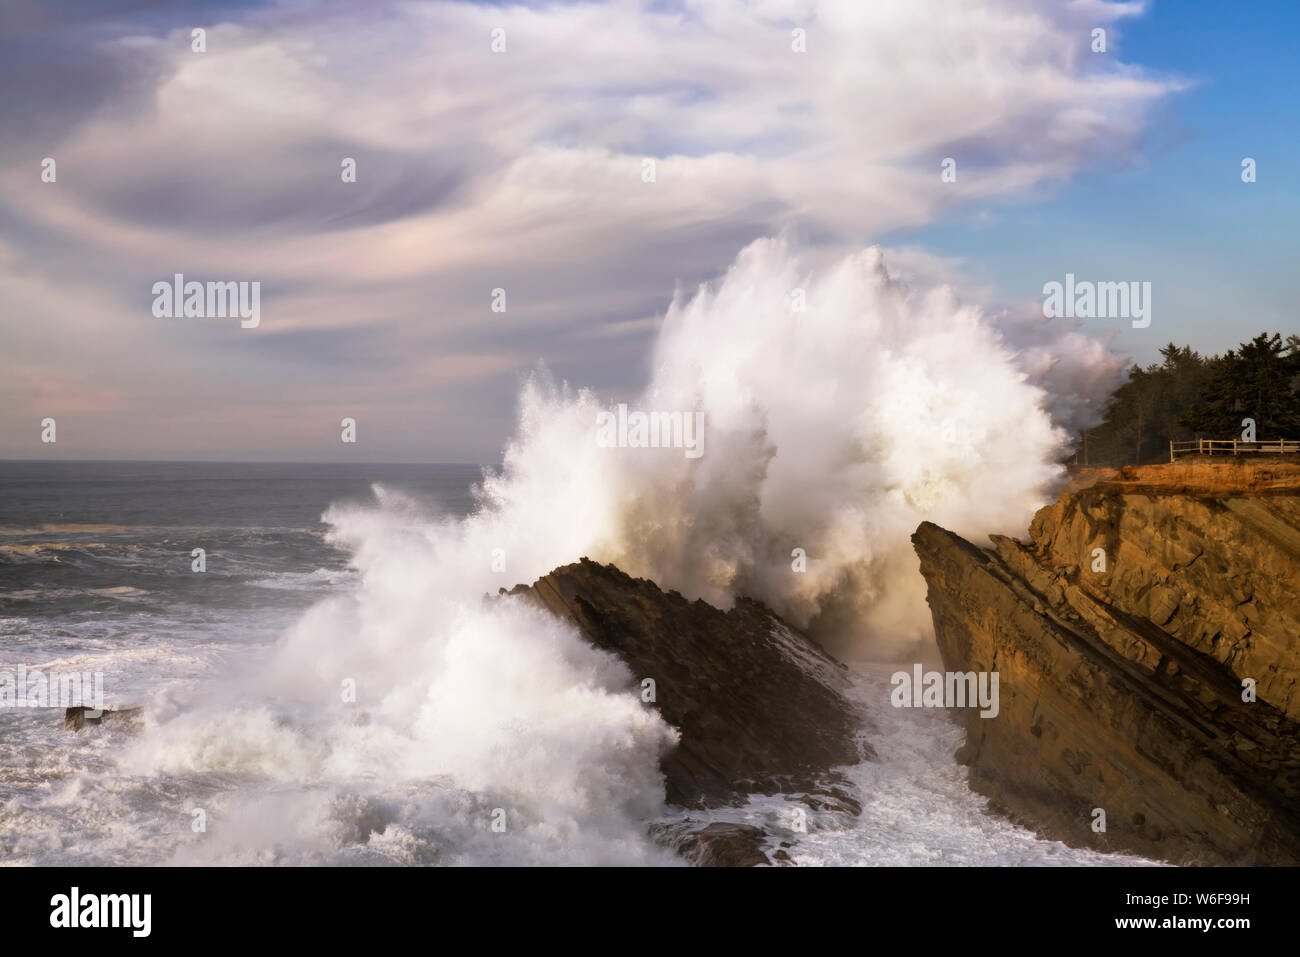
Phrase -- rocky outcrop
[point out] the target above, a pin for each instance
(1130, 634)
(722, 844)
(761, 709)
(78, 719)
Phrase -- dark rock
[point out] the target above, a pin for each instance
(760, 708)
(725, 845)
(1122, 688)
(77, 719)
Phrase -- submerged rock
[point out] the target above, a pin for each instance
(1130, 634)
(761, 709)
(77, 719)
(723, 844)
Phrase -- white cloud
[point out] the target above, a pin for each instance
(520, 170)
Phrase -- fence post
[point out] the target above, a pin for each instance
(1171, 450)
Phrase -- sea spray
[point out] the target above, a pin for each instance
(465, 710)
(833, 429)
(404, 719)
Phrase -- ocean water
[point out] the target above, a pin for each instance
(476, 733)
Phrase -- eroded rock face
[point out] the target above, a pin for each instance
(1122, 685)
(761, 709)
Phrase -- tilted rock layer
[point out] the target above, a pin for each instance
(1121, 684)
(760, 708)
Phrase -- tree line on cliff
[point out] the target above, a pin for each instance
(1189, 396)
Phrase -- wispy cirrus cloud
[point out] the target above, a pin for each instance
(478, 170)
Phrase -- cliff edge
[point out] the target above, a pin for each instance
(1147, 640)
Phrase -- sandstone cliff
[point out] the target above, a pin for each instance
(1123, 632)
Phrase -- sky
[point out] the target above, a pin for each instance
(523, 169)
(1219, 253)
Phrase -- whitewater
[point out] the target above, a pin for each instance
(408, 709)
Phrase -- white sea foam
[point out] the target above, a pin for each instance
(835, 430)
(461, 706)
(320, 579)
(917, 808)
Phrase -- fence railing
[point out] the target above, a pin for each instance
(1232, 447)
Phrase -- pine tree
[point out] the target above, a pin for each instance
(1187, 396)
(1255, 381)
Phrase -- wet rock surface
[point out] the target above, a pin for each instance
(723, 844)
(760, 707)
(79, 719)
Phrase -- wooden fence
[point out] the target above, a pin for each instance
(1232, 447)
